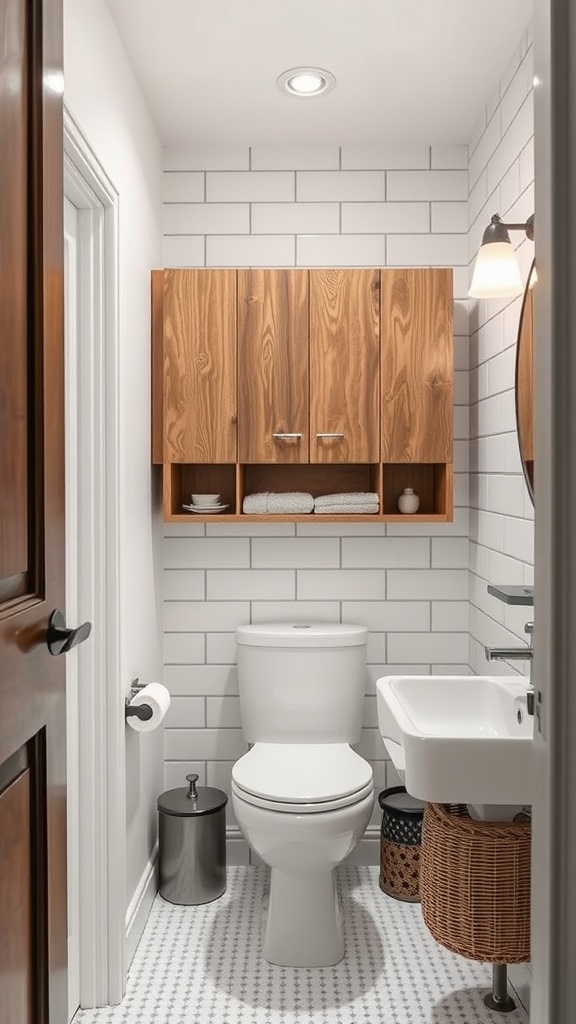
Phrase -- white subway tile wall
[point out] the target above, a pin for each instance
(501, 177)
(408, 583)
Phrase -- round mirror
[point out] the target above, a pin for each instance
(525, 382)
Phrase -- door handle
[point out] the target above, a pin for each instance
(60, 639)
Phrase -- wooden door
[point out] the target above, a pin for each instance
(32, 682)
(417, 365)
(199, 366)
(344, 355)
(273, 366)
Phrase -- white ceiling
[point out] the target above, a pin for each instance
(407, 70)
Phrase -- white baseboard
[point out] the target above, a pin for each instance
(237, 849)
(140, 905)
(368, 850)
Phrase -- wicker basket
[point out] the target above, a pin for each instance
(400, 871)
(475, 884)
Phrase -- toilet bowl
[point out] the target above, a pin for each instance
(302, 832)
(302, 797)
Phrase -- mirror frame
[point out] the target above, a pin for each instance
(527, 298)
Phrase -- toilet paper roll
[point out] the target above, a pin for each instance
(158, 698)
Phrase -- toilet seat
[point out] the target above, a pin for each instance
(302, 778)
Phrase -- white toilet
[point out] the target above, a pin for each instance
(301, 796)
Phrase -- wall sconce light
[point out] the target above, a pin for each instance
(496, 273)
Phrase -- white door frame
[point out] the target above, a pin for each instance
(100, 726)
(554, 837)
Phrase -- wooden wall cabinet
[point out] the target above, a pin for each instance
(416, 366)
(344, 358)
(199, 366)
(308, 357)
(322, 381)
(416, 386)
(273, 366)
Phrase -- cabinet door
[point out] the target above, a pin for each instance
(273, 365)
(417, 365)
(344, 355)
(200, 366)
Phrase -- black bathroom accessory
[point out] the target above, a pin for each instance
(146, 706)
(192, 843)
(400, 843)
(513, 594)
(142, 711)
(60, 639)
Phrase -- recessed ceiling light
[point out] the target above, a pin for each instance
(306, 82)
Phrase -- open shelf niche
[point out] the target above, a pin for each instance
(233, 482)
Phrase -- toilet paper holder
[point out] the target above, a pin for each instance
(142, 711)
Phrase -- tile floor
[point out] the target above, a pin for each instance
(202, 965)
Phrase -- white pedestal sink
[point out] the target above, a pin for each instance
(459, 739)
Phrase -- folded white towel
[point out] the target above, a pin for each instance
(255, 504)
(347, 498)
(290, 502)
(362, 508)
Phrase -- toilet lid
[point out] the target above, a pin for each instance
(302, 776)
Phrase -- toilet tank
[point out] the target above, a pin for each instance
(301, 682)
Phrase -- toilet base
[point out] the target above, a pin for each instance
(302, 924)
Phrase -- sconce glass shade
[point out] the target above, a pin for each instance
(496, 273)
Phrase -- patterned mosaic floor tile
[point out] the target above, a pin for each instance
(203, 965)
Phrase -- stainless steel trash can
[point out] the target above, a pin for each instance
(192, 843)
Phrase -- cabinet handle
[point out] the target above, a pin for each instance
(332, 437)
(286, 437)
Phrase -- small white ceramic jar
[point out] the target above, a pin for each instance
(408, 501)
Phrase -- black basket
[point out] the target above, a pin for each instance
(400, 824)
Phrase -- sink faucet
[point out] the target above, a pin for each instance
(517, 654)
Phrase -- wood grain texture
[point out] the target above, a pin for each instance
(209, 480)
(444, 490)
(313, 479)
(309, 346)
(14, 357)
(417, 365)
(157, 353)
(16, 912)
(181, 480)
(344, 353)
(49, 794)
(32, 685)
(200, 366)
(272, 365)
(431, 481)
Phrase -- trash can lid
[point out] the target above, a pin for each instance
(192, 802)
(398, 801)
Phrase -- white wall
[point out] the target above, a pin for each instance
(104, 98)
(501, 178)
(324, 206)
(304, 207)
